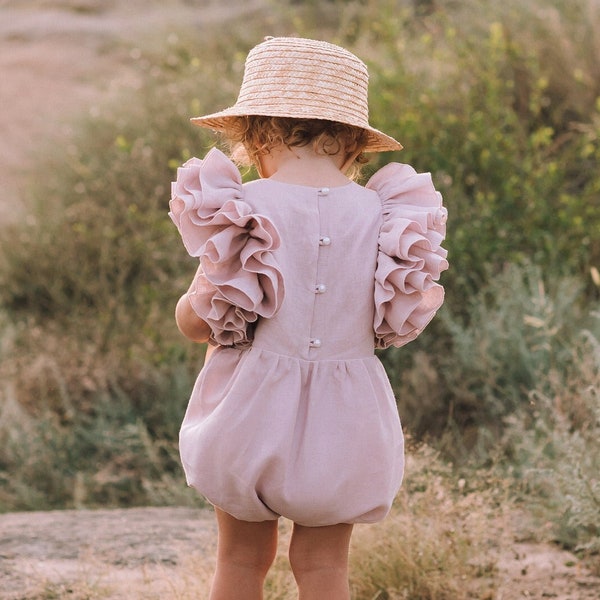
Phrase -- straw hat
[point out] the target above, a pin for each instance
(304, 79)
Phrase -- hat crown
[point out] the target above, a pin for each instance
(305, 78)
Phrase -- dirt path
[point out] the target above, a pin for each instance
(168, 553)
(129, 553)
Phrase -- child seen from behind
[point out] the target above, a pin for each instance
(302, 274)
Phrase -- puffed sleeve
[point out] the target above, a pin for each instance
(410, 258)
(239, 279)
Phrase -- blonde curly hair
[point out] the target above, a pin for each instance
(250, 137)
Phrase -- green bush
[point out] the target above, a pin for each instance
(553, 450)
(487, 112)
(522, 325)
(75, 431)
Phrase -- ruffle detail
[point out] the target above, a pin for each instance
(410, 258)
(240, 279)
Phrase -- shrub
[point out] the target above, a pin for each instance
(103, 446)
(553, 451)
(489, 114)
(521, 326)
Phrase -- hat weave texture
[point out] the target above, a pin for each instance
(304, 79)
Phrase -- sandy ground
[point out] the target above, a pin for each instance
(120, 554)
(56, 58)
(168, 554)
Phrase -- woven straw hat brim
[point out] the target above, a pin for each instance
(303, 79)
(377, 141)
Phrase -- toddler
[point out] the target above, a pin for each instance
(302, 274)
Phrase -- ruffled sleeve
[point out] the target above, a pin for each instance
(239, 279)
(410, 258)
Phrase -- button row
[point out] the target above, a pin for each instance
(321, 288)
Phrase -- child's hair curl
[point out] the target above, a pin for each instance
(253, 136)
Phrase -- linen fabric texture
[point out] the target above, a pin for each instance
(293, 415)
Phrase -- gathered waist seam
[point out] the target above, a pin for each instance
(307, 360)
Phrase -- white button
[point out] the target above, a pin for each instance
(324, 241)
(320, 289)
(316, 343)
(324, 191)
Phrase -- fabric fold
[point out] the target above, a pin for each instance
(410, 256)
(240, 279)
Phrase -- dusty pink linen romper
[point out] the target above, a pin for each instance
(293, 414)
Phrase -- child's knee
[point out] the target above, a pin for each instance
(252, 559)
(254, 554)
(303, 563)
(257, 559)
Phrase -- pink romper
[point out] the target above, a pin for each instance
(293, 415)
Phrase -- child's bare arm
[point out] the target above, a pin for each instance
(189, 323)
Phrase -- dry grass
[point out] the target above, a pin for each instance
(435, 545)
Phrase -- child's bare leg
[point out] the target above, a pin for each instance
(245, 551)
(319, 560)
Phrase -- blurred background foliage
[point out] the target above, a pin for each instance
(500, 101)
